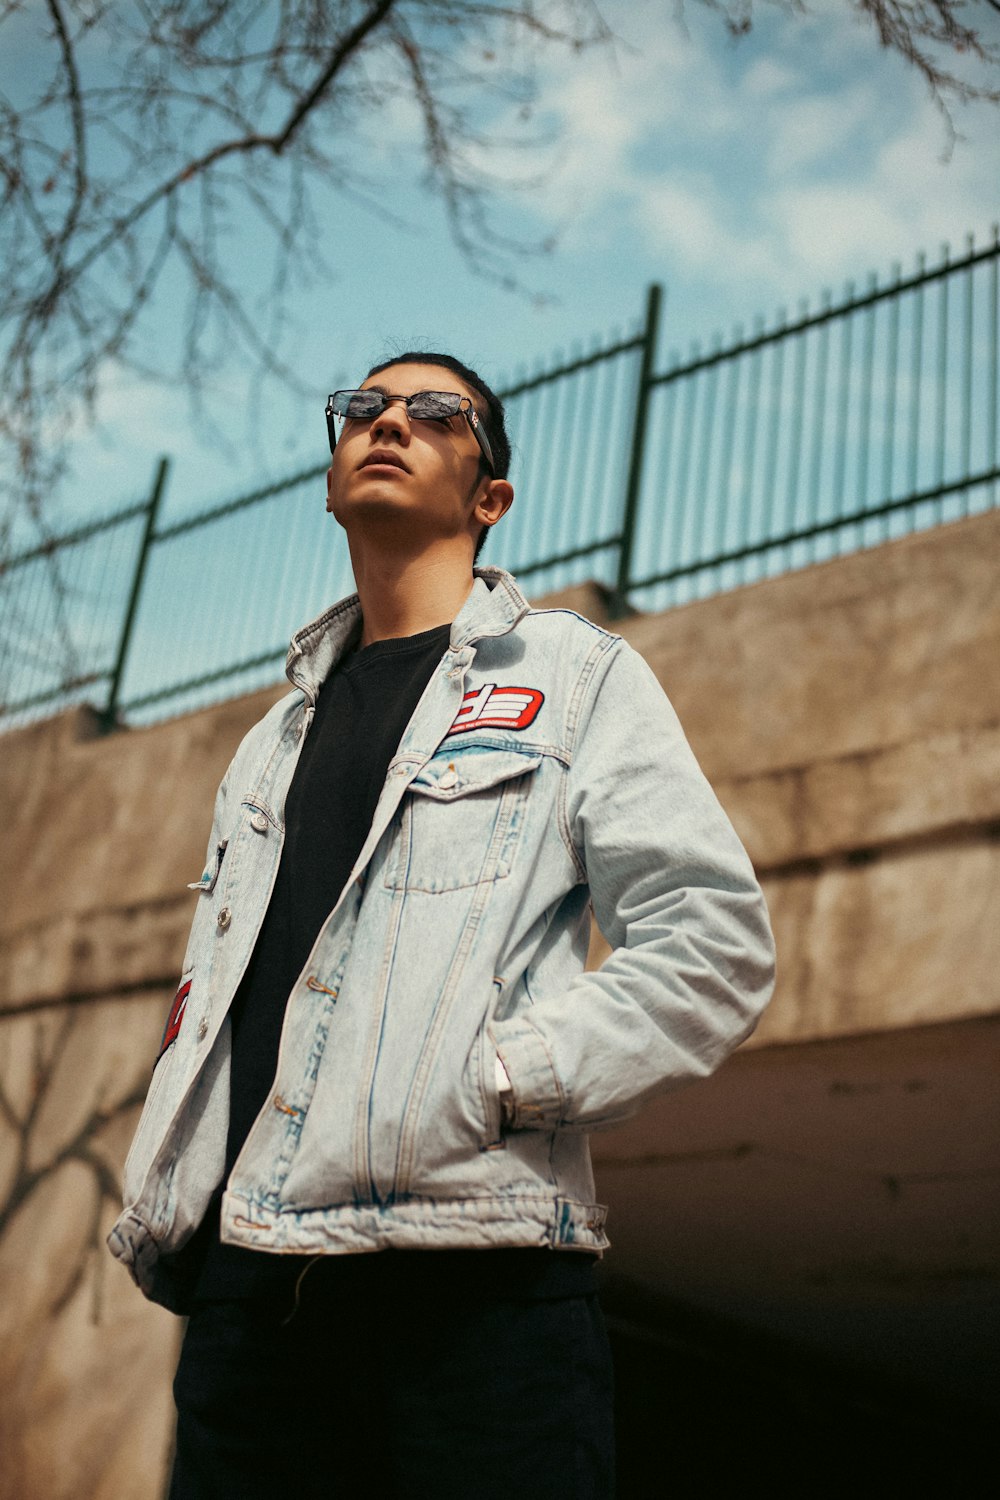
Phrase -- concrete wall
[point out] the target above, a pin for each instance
(849, 717)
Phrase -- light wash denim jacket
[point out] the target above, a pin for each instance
(543, 770)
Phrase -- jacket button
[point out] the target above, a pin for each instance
(258, 823)
(448, 778)
(202, 1029)
(224, 918)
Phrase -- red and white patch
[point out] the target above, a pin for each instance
(175, 1019)
(492, 707)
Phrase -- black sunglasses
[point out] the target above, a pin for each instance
(425, 406)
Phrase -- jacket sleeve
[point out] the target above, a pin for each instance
(675, 895)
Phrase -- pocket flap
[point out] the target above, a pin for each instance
(447, 777)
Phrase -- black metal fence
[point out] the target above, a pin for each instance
(837, 428)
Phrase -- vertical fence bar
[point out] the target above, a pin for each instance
(819, 417)
(606, 397)
(993, 408)
(916, 367)
(967, 333)
(705, 457)
(111, 709)
(755, 371)
(795, 439)
(942, 383)
(670, 421)
(570, 425)
(589, 512)
(619, 603)
(768, 499)
(892, 370)
(843, 406)
(728, 446)
(688, 404)
(551, 405)
(865, 410)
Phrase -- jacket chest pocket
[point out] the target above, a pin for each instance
(460, 820)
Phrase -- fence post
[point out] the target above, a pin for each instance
(619, 604)
(110, 714)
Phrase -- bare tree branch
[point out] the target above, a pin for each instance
(198, 166)
(79, 133)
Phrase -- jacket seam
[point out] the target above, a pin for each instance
(574, 718)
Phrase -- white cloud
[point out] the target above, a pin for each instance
(810, 159)
(909, 199)
(766, 78)
(692, 220)
(608, 107)
(810, 133)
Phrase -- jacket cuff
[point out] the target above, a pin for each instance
(537, 1101)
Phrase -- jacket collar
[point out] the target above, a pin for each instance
(494, 607)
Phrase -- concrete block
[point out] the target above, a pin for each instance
(904, 940)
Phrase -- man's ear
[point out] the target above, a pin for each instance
(494, 501)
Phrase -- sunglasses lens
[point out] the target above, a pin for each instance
(432, 406)
(361, 405)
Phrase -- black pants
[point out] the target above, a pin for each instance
(383, 1383)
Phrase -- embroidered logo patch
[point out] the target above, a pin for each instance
(175, 1019)
(492, 707)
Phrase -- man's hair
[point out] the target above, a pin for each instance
(488, 405)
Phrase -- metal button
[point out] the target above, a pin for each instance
(202, 1029)
(224, 918)
(258, 823)
(448, 778)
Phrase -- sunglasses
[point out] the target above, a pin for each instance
(424, 406)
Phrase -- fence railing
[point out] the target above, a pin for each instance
(840, 427)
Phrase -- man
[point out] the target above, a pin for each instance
(362, 1167)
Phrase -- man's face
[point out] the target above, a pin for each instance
(396, 469)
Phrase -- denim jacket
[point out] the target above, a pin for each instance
(543, 772)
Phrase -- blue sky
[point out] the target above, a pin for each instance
(743, 176)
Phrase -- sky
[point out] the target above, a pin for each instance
(744, 176)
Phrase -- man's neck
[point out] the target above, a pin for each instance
(402, 596)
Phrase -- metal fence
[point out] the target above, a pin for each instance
(849, 423)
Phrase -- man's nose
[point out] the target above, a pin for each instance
(394, 421)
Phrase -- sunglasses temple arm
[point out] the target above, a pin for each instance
(475, 422)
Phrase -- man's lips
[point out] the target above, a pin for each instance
(383, 458)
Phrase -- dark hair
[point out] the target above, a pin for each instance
(489, 406)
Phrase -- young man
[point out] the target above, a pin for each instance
(362, 1168)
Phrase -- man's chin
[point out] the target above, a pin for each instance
(377, 510)
(391, 522)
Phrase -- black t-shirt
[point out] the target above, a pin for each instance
(361, 714)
